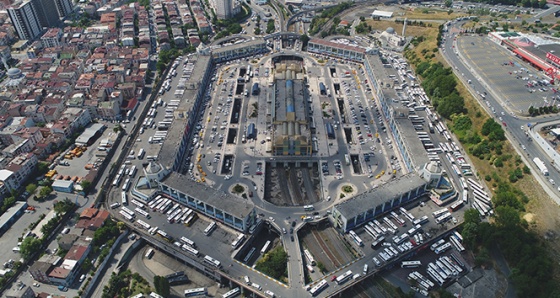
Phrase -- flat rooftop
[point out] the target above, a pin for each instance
(9, 214)
(219, 49)
(219, 199)
(282, 100)
(377, 196)
(542, 50)
(170, 147)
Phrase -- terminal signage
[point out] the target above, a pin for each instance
(553, 58)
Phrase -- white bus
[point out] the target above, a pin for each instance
(196, 292)
(115, 205)
(143, 224)
(190, 250)
(126, 185)
(210, 228)
(132, 171)
(130, 212)
(265, 247)
(308, 208)
(141, 153)
(138, 204)
(143, 213)
(126, 215)
(318, 288)
(212, 261)
(411, 264)
(124, 199)
(188, 242)
(232, 293)
(149, 253)
(344, 277)
(238, 241)
(309, 257)
(356, 238)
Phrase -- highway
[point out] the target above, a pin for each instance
(517, 126)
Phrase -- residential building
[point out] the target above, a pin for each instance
(25, 20)
(64, 7)
(224, 8)
(51, 38)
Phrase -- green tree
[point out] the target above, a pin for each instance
(448, 3)
(42, 168)
(86, 185)
(29, 246)
(45, 191)
(304, 38)
(161, 285)
(31, 188)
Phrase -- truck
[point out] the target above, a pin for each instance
(540, 164)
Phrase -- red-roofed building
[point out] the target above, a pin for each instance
(66, 273)
(92, 219)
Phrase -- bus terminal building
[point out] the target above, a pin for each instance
(225, 208)
(366, 206)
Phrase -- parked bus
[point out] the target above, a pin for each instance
(238, 241)
(128, 211)
(124, 199)
(115, 205)
(188, 242)
(191, 219)
(143, 213)
(212, 261)
(308, 208)
(210, 228)
(356, 238)
(309, 257)
(190, 250)
(126, 185)
(347, 159)
(126, 215)
(265, 247)
(149, 253)
(132, 171)
(141, 153)
(143, 224)
(196, 292)
(138, 204)
(164, 235)
(411, 264)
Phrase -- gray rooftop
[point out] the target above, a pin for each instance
(217, 198)
(417, 152)
(175, 133)
(217, 50)
(7, 216)
(385, 193)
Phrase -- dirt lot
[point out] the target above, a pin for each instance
(292, 186)
(327, 246)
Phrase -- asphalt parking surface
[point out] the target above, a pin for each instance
(487, 58)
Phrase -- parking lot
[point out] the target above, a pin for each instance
(504, 73)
